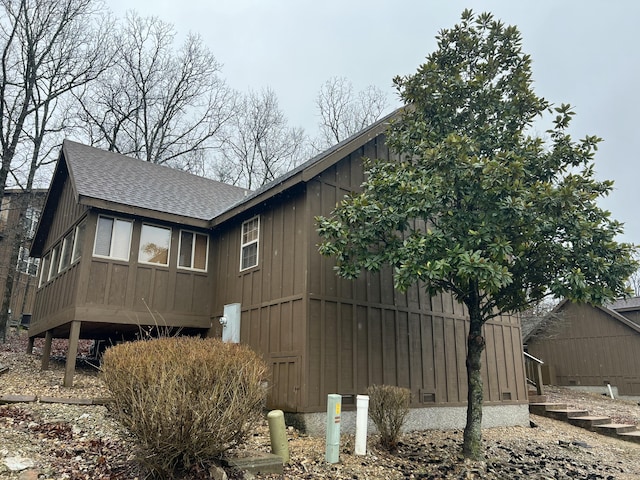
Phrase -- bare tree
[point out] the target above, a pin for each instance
(158, 104)
(260, 145)
(344, 112)
(47, 50)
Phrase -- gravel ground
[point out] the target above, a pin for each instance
(59, 441)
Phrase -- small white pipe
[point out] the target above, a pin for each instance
(610, 391)
(362, 413)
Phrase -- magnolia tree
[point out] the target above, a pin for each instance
(478, 205)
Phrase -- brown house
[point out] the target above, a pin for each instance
(19, 214)
(185, 248)
(587, 346)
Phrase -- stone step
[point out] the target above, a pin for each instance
(565, 413)
(588, 421)
(541, 408)
(257, 463)
(630, 436)
(615, 429)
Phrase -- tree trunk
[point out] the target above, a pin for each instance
(16, 237)
(472, 444)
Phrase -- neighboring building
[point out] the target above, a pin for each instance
(19, 213)
(121, 238)
(589, 346)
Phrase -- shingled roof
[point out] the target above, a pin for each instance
(625, 304)
(99, 175)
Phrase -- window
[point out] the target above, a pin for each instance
(65, 253)
(193, 250)
(26, 264)
(31, 217)
(154, 245)
(249, 245)
(78, 241)
(53, 266)
(44, 269)
(113, 238)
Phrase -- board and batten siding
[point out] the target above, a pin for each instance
(589, 347)
(55, 300)
(322, 334)
(105, 290)
(272, 294)
(363, 332)
(65, 216)
(173, 295)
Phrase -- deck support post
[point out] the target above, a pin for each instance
(46, 351)
(30, 345)
(72, 353)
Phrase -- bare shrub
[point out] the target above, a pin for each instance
(388, 408)
(185, 400)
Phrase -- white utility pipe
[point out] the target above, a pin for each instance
(362, 413)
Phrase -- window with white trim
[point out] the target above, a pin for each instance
(78, 241)
(154, 244)
(193, 250)
(65, 252)
(113, 238)
(44, 269)
(53, 267)
(249, 243)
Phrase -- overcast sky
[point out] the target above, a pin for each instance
(585, 52)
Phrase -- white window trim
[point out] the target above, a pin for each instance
(74, 259)
(244, 245)
(168, 248)
(63, 244)
(44, 267)
(193, 252)
(54, 263)
(110, 257)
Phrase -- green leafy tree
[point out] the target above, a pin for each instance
(477, 205)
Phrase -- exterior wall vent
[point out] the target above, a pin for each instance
(427, 397)
(348, 399)
(506, 395)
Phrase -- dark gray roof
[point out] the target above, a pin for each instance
(112, 177)
(625, 304)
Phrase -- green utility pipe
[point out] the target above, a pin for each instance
(334, 403)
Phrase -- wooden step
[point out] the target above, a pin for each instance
(541, 408)
(565, 413)
(615, 429)
(589, 421)
(535, 398)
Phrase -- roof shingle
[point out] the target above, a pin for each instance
(113, 177)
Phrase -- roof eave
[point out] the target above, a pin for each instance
(131, 210)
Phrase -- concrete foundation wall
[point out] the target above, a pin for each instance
(441, 418)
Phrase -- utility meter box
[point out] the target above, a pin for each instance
(231, 323)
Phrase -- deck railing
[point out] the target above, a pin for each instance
(533, 369)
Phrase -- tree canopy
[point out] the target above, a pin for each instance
(477, 204)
